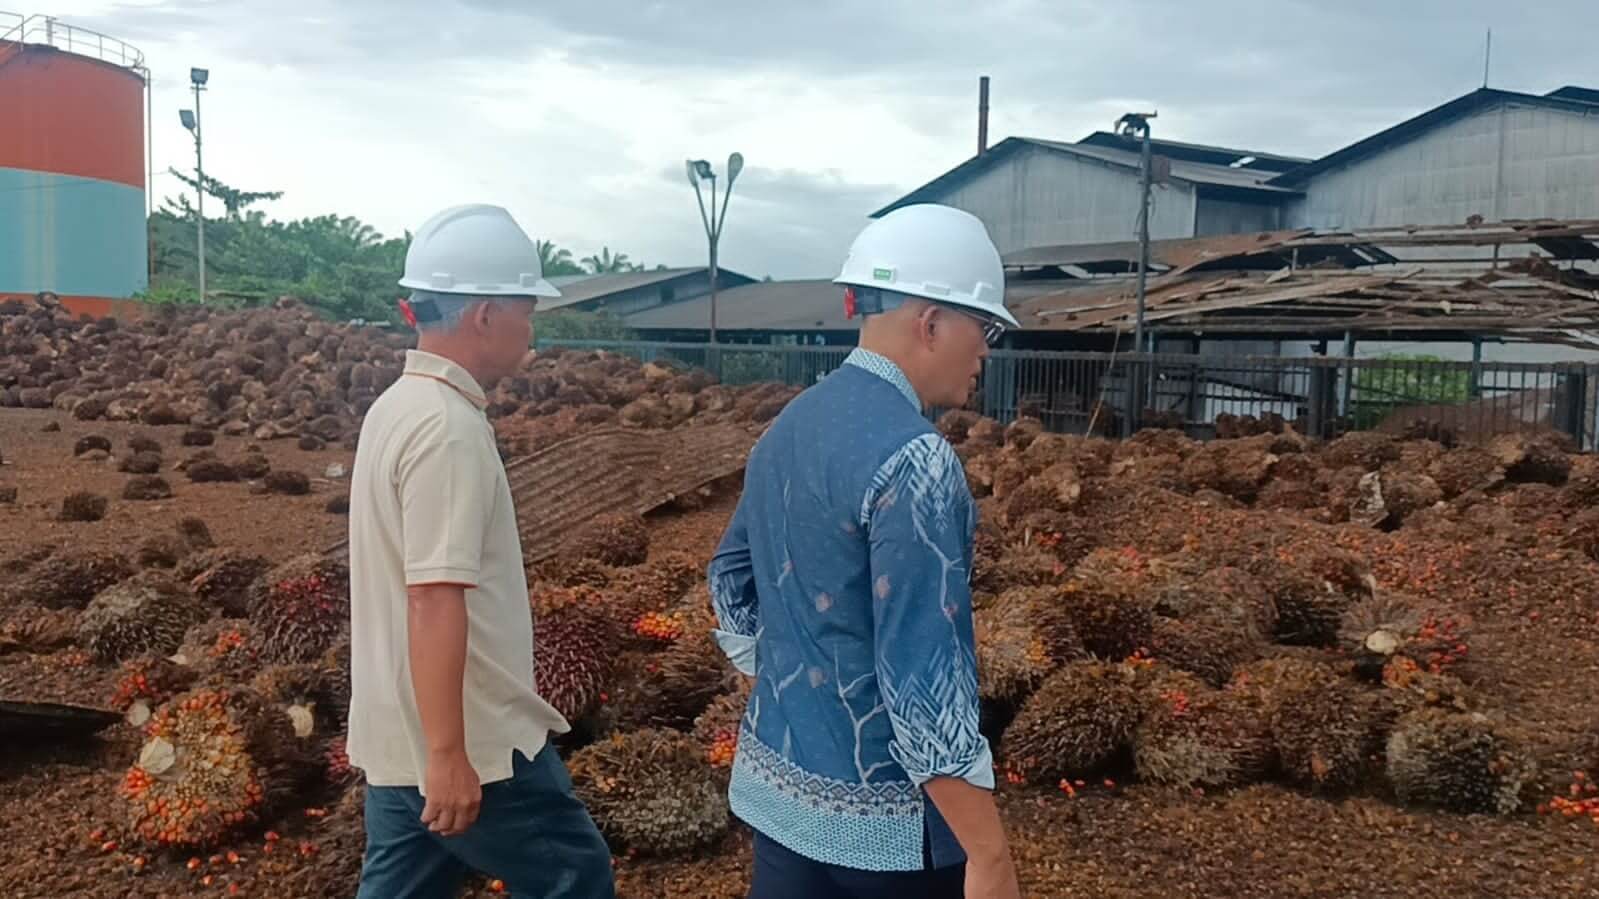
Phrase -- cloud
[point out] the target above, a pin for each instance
(577, 115)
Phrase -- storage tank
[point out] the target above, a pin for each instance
(72, 164)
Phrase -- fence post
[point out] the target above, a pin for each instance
(1320, 401)
(1574, 406)
(1136, 381)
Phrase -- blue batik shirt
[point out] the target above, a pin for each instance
(842, 586)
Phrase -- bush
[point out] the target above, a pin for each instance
(1378, 391)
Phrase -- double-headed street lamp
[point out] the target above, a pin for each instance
(191, 121)
(700, 170)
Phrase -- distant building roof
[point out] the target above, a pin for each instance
(1250, 180)
(815, 305)
(586, 288)
(1575, 99)
(1212, 155)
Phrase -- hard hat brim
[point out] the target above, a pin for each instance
(539, 288)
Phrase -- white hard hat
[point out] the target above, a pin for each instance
(935, 252)
(475, 250)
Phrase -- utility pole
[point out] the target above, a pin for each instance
(191, 121)
(1136, 125)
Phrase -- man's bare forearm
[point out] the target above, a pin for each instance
(970, 812)
(436, 618)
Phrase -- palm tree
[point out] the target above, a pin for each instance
(603, 262)
(554, 260)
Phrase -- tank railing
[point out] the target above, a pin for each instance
(51, 32)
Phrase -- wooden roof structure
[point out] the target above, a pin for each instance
(1532, 281)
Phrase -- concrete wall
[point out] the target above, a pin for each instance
(1509, 161)
(1039, 197)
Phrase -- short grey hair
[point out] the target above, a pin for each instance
(452, 307)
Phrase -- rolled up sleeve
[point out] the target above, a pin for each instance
(446, 487)
(731, 576)
(920, 518)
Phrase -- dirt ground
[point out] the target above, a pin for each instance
(62, 831)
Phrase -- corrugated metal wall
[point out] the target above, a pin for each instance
(1235, 217)
(1505, 162)
(1039, 198)
(71, 176)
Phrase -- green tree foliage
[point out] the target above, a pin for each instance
(603, 263)
(1380, 390)
(337, 264)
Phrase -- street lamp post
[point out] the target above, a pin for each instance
(191, 121)
(700, 170)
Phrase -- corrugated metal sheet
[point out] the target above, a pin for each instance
(1507, 160)
(1040, 197)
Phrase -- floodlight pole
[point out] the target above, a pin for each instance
(199, 190)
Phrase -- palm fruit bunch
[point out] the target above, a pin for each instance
(211, 762)
(1309, 608)
(616, 540)
(1106, 604)
(222, 578)
(676, 684)
(574, 655)
(32, 629)
(651, 792)
(1206, 739)
(1326, 729)
(308, 694)
(1211, 644)
(222, 651)
(1385, 628)
(338, 769)
(300, 608)
(1015, 652)
(1463, 762)
(1076, 721)
(658, 584)
(1367, 450)
(716, 729)
(146, 614)
(1210, 589)
(145, 683)
(71, 579)
(566, 570)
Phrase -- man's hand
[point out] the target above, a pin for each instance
(454, 794)
(991, 878)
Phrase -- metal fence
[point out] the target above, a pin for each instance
(1115, 394)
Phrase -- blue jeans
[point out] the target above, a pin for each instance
(781, 873)
(531, 832)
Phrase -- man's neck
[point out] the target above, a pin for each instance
(900, 358)
(443, 346)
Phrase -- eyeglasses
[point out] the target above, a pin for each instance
(993, 328)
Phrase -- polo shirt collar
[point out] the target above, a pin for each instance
(428, 365)
(884, 368)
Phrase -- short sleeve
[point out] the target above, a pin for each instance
(446, 484)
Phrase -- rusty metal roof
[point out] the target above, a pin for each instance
(1331, 283)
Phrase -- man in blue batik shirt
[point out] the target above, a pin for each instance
(842, 587)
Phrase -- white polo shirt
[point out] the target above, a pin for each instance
(430, 504)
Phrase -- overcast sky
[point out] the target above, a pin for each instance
(577, 115)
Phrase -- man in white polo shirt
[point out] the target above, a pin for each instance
(445, 718)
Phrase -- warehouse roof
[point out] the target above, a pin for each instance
(1218, 177)
(816, 305)
(1573, 99)
(583, 289)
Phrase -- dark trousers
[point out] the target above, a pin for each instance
(781, 873)
(531, 832)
